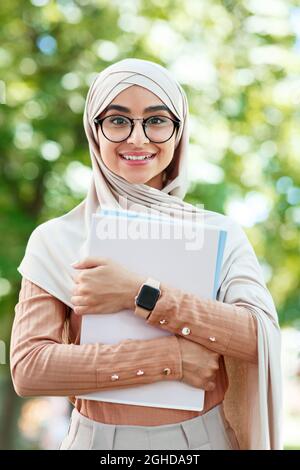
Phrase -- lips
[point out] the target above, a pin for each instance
(136, 154)
(150, 157)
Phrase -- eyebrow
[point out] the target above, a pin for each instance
(117, 107)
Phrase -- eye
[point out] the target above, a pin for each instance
(157, 120)
(117, 120)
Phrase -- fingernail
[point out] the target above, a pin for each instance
(75, 262)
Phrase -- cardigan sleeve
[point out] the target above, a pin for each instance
(42, 365)
(226, 329)
(227, 325)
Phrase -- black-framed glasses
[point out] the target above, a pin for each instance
(157, 129)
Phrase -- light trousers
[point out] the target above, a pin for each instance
(210, 431)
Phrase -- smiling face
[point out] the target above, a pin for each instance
(150, 171)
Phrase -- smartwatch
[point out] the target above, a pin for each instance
(147, 297)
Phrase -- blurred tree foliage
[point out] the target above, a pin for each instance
(238, 62)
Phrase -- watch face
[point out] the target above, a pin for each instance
(147, 297)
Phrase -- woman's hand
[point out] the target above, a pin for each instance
(104, 286)
(199, 364)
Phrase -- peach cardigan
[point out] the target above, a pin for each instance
(42, 365)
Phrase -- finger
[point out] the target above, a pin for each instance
(210, 386)
(85, 309)
(75, 278)
(81, 310)
(78, 300)
(89, 262)
(76, 289)
(94, 309)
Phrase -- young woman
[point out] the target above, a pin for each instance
(136, 122)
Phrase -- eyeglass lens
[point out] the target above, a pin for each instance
(157, 128)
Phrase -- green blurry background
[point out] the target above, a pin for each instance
(239, 63)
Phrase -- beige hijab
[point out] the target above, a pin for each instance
(253, 401)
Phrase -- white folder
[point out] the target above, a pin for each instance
(196, 271)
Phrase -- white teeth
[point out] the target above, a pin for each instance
(134, 157)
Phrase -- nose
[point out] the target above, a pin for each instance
(138, 136)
